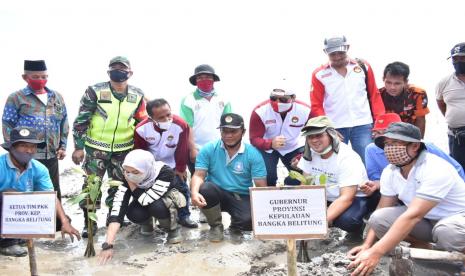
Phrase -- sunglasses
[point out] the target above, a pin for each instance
(280, 99)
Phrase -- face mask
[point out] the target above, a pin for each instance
(135, 178)
(119, 75)
(23, 158)
(36, 85)
(325, 151)
(397, 155)
(459, 67)
(164, 125)
(205, 85)
(283, 107)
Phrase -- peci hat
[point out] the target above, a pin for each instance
(400, 131)
(203, 69)
(35, 65)
(457, 50)
(336, 44)
(316, 125)
(23, 134)
(384, 120)
(120, 59)
(231, 120)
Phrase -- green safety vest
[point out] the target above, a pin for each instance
(112, 124)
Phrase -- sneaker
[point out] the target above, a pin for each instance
(14, 250)
(202, 218)
(188, 222)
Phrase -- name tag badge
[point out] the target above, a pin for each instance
(132, 98)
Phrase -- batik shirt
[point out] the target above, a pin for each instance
(24, 109)
(412, 103)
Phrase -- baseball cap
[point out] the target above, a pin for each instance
(120, 59)
(316, 125)
(400, 131)
(282, 89)
(231, 120)
(336, 44)
(23, 134)
(457, 50)
(384, 120)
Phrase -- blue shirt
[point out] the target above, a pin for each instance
(34, 178)
(375, 160)
(235, 174)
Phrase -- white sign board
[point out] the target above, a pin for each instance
(28, 215)
(289, 212)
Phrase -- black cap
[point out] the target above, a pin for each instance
(231, 120)
(457, 50)
(34, 65)
(203, 69)
(23, 134)
(400, 131)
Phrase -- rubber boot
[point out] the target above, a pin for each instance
(173, 230)
(214, 219)
(146, 228)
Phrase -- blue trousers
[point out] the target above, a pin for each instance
(184, 211)
(359, 137)
(271, 163)
(352, 218)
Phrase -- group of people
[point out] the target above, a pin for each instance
(406, 188)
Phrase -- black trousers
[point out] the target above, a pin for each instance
(237, 205)
(54, 171)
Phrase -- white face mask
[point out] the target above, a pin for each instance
(325, 151)
(165, 125)
(135, 178)
(283, 107)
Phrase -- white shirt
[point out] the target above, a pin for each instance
(341, 169)
(431, 178)
(451, 90)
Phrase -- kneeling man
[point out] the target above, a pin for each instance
(224, 171)
(433, 194)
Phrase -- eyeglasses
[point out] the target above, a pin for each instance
(281, 99)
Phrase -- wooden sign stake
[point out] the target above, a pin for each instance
(32, 257)
(291, 258)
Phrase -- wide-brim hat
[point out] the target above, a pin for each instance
(400, 131)
(23, 134)
(203, 69)
(316, 125)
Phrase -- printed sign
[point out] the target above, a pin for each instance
(289, 212)
(28, 215)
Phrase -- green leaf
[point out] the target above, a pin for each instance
(78, 198)
(323, 179)
(298, 176)
(79, 170)
(92, 216)
(309, 179)
(114, 183)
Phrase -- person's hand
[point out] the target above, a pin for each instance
(198, 200)
(354, 252)
(78, 156)
(369, 187)
(295, 161)
(105, 256)
(61, 154)
(278, 142)
(182, 175)
(365, 263)
(67, 228)
(193, 154)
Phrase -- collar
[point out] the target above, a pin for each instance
(27, 91)
(351, 62)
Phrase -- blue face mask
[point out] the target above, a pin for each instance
(23, 158)
(119, 75)
(459, 67)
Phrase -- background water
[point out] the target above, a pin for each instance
(251, 44)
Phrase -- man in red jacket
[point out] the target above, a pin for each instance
(344, 89)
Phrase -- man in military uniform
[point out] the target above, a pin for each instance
(104, 128)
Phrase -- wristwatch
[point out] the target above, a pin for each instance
(106, 246)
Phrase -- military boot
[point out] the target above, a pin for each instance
(173, 230)
(214, 219)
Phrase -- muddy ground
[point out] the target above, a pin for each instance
(150, 255)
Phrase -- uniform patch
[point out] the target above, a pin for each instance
(238, 167)
(24, 132)
(170, 137)
(132, 98)
(228, 119)
(357, 69)
(326, 75)
(273, 121)
(105, 96)
(295, 119)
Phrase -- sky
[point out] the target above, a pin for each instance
(251, 44)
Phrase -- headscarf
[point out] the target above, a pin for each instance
(144, 162)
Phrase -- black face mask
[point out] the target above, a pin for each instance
(459, 67)
(119, 75)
